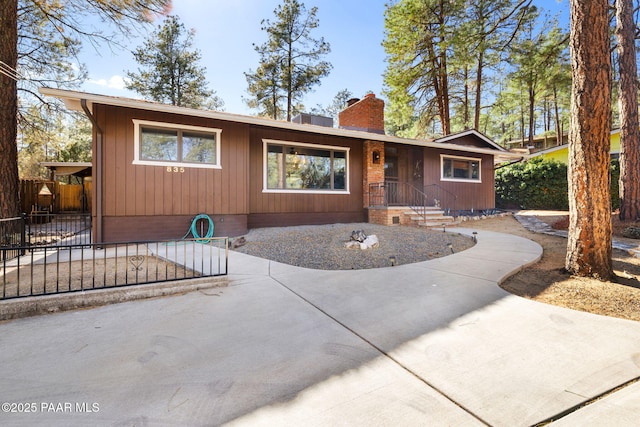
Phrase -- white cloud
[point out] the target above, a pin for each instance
(114, 82)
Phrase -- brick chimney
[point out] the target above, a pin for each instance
(366, 114)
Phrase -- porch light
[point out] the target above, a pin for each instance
(375, 157)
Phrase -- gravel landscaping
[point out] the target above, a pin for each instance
(323, 246)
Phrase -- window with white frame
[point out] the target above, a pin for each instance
(456, 168)
(165, 144)
(305, 167)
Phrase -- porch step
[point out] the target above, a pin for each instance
(433, 218)
(439, 224)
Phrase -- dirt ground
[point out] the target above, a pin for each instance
(66, 276)
(548, 282)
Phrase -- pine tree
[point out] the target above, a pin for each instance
(338, 104)
(489, 29)
(290, 61)
(535, 57)
(169, 70)
(39, 39)
(9, 196)
(418, 41)
(628, 106)
(589, 238)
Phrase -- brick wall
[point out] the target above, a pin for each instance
(385, 216)
(372, 169)
(366, 114)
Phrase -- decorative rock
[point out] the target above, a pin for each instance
(358, 235)
(236, 243)
(632, 232)
(371, 242)
(352, 245)
(368, 243)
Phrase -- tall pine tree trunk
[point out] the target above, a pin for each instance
(628, 104)
(478, 105)
(589, 240)
(556, 113)
(9, 198)
(444, 80)
(465, 102)
(532, 109)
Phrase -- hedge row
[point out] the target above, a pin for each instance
(541, 184)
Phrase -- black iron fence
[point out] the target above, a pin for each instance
(45, 229)
(12, 238)
(38, 230)
(83, 267)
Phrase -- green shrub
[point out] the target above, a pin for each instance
(541, 184)
(615, 184)
(534, 184)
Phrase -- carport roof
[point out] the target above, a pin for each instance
(69, 168)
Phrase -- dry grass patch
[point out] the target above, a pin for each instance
(548, 282)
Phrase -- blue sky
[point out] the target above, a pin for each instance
(226, 30)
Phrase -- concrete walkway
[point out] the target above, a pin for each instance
(432, 343)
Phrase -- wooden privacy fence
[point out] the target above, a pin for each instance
(63, 197)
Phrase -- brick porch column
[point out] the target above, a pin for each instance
(372, 167)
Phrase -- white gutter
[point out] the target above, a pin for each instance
(97, 170)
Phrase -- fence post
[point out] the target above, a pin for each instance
(23, 236)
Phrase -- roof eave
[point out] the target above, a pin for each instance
(73, 99)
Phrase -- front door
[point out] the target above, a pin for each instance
(416, 164)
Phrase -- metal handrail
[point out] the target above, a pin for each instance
(451, 201)
(400, 193)
(441, 188)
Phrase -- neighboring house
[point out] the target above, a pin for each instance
(539, 143)
(156, 166)
(561, 152)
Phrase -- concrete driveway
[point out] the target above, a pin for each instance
(433, 343)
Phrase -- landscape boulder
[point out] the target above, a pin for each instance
(359, 240)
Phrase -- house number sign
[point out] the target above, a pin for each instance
(175, 169)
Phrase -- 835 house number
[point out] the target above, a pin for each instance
(175, 169)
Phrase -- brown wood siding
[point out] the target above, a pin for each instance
(303, 205)
(148, 202)
(165, 227)
(143, 190)
(308, 218)
(469, 141)
(470, 195)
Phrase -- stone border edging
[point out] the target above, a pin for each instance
(535, 225)
(16, 308)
